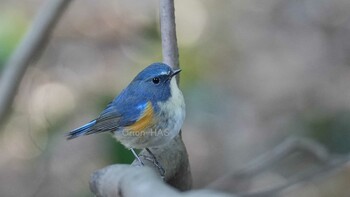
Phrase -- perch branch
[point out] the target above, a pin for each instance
(172, 156)
(33, 42)
(124, 181)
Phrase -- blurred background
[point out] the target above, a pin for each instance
(254, 73)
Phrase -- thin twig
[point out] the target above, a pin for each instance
(332, 166)
(284, 149)
(238, 181)
(235, 181)
(31, 45)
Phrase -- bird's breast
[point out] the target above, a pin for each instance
(172, 111)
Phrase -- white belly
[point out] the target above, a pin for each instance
(172, 113)
(168, 123)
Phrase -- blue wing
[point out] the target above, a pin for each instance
(123, 111)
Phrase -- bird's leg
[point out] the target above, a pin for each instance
(156, 163)
(136, 156)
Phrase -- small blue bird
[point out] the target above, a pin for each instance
(149, 112)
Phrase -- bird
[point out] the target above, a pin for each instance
(148, 113)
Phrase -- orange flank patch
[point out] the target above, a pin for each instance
(145, 121)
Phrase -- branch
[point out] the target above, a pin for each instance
(239, 182)
(33, 42)
(331, 167)
(182, 179)
(123, 180)
(168, 32)
(283, 150)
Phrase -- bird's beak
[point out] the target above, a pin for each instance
(175, 72)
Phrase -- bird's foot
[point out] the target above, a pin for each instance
(137, 157)
(155, 162)
(152, 158)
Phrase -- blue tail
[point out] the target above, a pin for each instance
(83, 130)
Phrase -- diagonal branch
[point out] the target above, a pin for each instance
(31, 45)
(239, 181)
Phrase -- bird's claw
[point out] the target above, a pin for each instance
(155, 163)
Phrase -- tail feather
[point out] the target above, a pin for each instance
(83, 130)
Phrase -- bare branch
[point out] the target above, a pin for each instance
(238, 181)
(334, 165)
(182, 179)
(33, 42)
(168, 31)
(281, 151)
(124, 181)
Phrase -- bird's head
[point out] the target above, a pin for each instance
(156, 82)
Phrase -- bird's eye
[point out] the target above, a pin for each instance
(155, 80)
